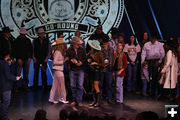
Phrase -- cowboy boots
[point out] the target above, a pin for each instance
(98, 100)
(94, 99)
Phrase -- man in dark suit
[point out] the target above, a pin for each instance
(42, 50)
(6, 83)
(23, 54)
(6, 42)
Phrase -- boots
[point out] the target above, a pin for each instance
(94, 99)
(98, 100)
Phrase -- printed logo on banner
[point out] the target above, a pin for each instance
(61, 15)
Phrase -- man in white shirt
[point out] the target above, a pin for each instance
(153, 52)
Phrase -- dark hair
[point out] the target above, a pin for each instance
(63, 114)
(60, 33)
(105, 39)
(135, 43)
(171, 37)
(143, 35)
(4, 54)
(171, 45)
(154, 36)
(77, 31)
(73, 115)
(121, 34)
(114, 31)
(40, 115)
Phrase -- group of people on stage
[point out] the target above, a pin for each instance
(105, 58)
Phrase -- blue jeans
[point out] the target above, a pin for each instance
(131, 77)
(178, 86)
(119, 89)
(77, 80)
(144, 87)
(4, 104)
(107, 78)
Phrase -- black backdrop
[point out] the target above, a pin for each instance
(166, 12)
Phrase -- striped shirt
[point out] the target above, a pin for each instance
(152, 51)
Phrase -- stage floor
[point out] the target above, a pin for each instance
(25, 104)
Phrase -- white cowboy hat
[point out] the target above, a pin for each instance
(58, 41)
(23, 31)
(94, 44)
(77, 40)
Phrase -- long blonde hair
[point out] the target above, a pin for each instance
(61, 47)
(120, 55)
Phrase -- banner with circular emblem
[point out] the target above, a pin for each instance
(61, 15)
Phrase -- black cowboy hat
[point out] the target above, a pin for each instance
(6, 30)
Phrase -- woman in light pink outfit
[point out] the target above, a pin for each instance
(58, 90)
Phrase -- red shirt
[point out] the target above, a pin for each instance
(123, 74)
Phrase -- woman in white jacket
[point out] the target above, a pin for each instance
(170, 69)
(58, 90)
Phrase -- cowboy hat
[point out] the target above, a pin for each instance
(23, 31)
(6, 30)
(58, 41)
(76, 40)
(94, 44)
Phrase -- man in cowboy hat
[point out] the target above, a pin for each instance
(42, 51)
(23, 54)
(98, 35)
(6, 41)
(106, 74)
(76, 57)
(78, 34)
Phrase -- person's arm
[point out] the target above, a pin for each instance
(11, 39)
(138, 57)
(8, 73)
(168, 62)
(124, 62)
(126, 52)
(162, 52)
(15, 53)
(146, 75)
(101, 60)
(143, 54)
(82, 58)
(34, 58)
(127, 56)
(138, 50)
(88, 48)
(30, 49)
(49, 50)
